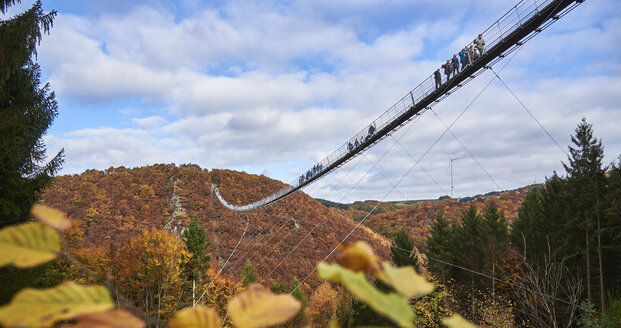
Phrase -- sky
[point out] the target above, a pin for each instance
(271, 87)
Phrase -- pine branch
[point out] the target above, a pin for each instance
(5, 4)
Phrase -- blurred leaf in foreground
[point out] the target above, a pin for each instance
(457, 321)
(51, 217)
(404, 280)
(41, 308)
(257, 306)
(28, 244)
(392, 305)
(358, 256)
(115, 318)
(196, 317)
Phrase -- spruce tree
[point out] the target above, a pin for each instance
(585, 174)
(27, 110)
(611, 234)
(401, 253)
(248, 275)
(529, 211)
(539, 230)
(468, 247)
(298, 292)
(438, 247)
(496, 238)
(195, 243)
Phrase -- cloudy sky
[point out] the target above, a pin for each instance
(270, 87)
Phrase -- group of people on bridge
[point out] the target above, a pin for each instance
(310, 173)
(319, 166)
(363, 139)
(466, 57)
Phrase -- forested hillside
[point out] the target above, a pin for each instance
(115, 205)
(417, 216)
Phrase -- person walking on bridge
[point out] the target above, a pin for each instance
(448, 69)
(438, 78)
(480, 44)
(463, 58)
(455, 63)
(371, 130)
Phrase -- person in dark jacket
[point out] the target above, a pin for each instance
(371, 130)
(448, 69)
(455, 63)
(438, 78)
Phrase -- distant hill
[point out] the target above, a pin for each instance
(116, 203)
(416, 216)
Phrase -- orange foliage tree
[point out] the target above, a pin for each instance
(322, 305)
(148, 269)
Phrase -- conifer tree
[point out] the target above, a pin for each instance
(248, 273)
(401, 254)
(298, 292)
(438, 246)
(27, 110)
(496, 238)
(585, 175)
(611, 235)
(468, 246)
(200, 261)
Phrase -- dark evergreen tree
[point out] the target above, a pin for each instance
(530, 209)
(248, 273)
(468, 247)
(27, 110)
(586, 179)
(576, 219)
(278, 286)
(298, 292)
(200, 261)
(541, 222)
(438, 248)
(612, 234)
(402, 252)
(496, 239)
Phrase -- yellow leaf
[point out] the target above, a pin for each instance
(391, 305)
(196, 317)
(358, 256)
(28, 244)
(114, 318)
(404, 280)
(41, 308)
(457, 321)
(259, 307)
(51, 216)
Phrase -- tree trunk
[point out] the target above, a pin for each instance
(193, 292)
(588, 266)
(599, 257)
(493, 276)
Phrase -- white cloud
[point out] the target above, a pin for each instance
(149, 123)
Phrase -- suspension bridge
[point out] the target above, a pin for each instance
(512, 30)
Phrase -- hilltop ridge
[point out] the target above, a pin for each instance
(110, 206)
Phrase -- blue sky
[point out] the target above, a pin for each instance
(273, 86)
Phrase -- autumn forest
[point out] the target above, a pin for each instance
(152, 246)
